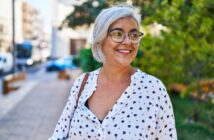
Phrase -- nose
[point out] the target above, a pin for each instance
(127, 40)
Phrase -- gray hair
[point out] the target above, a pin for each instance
(104, 21)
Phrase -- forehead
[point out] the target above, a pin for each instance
(127, 23)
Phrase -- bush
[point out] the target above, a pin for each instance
(184, 109)
(86, 60)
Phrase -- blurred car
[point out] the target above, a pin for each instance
(6, 63)
(61, 64)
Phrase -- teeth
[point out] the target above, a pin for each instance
(124, 51)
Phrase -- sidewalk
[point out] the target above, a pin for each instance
(7, 102)
(35, 116)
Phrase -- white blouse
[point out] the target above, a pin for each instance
(143, 112)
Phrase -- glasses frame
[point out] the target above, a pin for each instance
(126, 34)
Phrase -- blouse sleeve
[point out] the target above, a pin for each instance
(166, 122)
(62, 127)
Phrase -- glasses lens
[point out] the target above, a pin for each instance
(117, 36)
(135, 36)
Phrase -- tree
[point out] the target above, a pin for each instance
(185, 52)
(84, 14)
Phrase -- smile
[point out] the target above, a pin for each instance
(123, 51)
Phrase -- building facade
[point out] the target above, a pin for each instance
(5, 25)
(66, 41)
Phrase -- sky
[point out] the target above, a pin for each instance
(44, 7)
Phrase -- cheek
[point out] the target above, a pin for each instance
(136, 47)
(108, 46)
(104, 46)
(136, 50)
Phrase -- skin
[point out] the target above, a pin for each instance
(115, 75)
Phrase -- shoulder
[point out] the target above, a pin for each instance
(81, 77)
(150, 84)
(151, 80)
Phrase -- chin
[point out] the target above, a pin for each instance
(124, 62)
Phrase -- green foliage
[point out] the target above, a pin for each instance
(84, 14)
(76, 61)
(185, 52)
(203, 129)
(86, 60)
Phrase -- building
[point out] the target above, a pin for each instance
(66, 41)
(32, 23)
(5, 25)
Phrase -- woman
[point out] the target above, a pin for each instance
(118, 101)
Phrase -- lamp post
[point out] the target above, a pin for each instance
(13, 37)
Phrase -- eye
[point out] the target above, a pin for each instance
(134, 35)
(116, 34)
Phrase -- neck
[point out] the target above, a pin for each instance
(112, 73)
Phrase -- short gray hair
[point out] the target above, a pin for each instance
(104, 21)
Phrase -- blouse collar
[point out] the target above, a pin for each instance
(93, 80)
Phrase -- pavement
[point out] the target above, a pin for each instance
(32, 112)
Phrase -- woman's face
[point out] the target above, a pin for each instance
(120, 54)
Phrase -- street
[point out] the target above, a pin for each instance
(32, 112)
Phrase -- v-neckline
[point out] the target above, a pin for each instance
(119, 103)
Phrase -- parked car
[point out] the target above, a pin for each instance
(60, 64)
(6, 62)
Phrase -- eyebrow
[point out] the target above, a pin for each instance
(120, 29)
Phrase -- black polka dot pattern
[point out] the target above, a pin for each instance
(143, 112)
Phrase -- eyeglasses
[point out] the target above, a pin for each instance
(118, 35)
